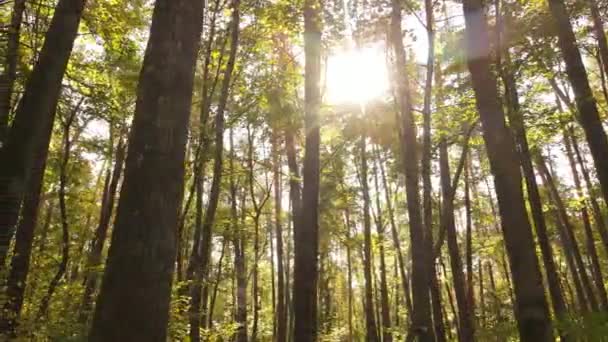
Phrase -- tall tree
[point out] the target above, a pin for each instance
(588, 114)
(133, 303)
(531, 310)
(421, 315)
(306, 234)
(34, 116)
(370, 320)
(7, 79)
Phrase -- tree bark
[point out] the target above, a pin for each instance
(7, 80)
(571, 243)
(20, 263)
(598, 27)
(306, 234)
(133, 303)
(387, 336)
(588, 114)
(531, 310)
(370, 321)
(63, 212)
(519, 132)
(421, 315)
(95, 255)
(34, 116)
(465, 315)
(281, 312)
(405, 283)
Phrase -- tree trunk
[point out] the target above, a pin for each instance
(571, 245)
(588, 115)
(34, 116)
(596, 271)
(239, 255)
(7, 80)
(519, 132)
(20, 264)
(370, 321)
(281, 312)
(531, 310)
(466, 326)
(349, 275)
(598, 27)
(63, 211)
(133, 303)
(95, 256)
(405, 284)
(306, 234)
(421, 315)
(597, 213)
(387, 336)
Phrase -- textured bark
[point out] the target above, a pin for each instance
(421, 315)
(370, 320)
(596, 271)
(34, 116)
(306, 234)
(133, 303)
(7, 80)
(588, 114)
(95, 255)
(531, 309)
(465, 315)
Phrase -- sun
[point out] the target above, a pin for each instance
(357, 76)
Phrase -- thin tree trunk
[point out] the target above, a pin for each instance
(588, 114)
(95, 256)
(531, 310)
(34, 116)
(395, 236)
(370, 321)
(239, 254)
(466, 326)
(519, 132)
(134, 300)
(7, 80)
(421, 315)
(384, 301)
(20, 264)
(596, 273)
(597, 213)
(349, 279)
(281, 312)
(63, 211)
(570, 238)
(598, 27)
(306, 234)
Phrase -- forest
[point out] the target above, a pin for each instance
(303, 170)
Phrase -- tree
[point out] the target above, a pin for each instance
(143, 241)
(306, 234)
(531, 306)
(34, 116)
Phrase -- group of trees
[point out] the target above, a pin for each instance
(174, 170)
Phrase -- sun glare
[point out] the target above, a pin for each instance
(357, 76)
